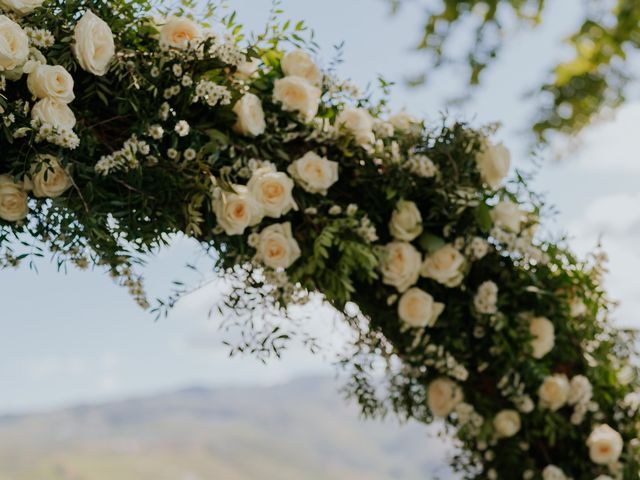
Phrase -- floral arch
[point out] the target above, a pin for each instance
(120, 129)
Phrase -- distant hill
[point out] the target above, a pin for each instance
(299, 431)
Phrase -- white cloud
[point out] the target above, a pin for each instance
(611, 144)
(615, 221)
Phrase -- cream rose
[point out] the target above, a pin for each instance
(406, 221)
(543, 334)
(605, 445)
(248, 68)
(581, 390)
(507, 216)
(297, 95)
(446, 266)
(358, 122)
(235, 211)
(271, 190)
(14, 44)
(47, 81)
(250, 115)
(13, 200)
(507, 423)
(554, 391)
(299, 64)
(417, 308)
(48, 178)
(276, 246)
(402, 121)
(314, 173)
(400, 265)
(443, 395)
(551, 472)
(54, 113)
(493, 163)
(21, 7)
(94, 46)
(180, 32)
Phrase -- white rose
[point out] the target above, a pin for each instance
(443, 395)
(507, 423)
(626, 375)
(358, 122)
(603, 477)
(400, 265)
(21, 7)
(402, 121)
(605, 445)
(578, 307)
(445, 266)
(51, 81)
(551, 472)
(248, 68)
(14, 44)
(581, 390)
(54, 113)
(94, 46)
(250, 116)
(180, 32)
(13, 200)
(554, 391)
(507, 216)
(48, 178)
(297, 95)
(276, 246)
(493, 163)
(543, 334)
(235, 211)
(299, 64)
(272, 191)
(314, 173)
(417, 308)
(406, 221)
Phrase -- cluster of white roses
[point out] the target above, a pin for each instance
(51, 87)
(47, 180)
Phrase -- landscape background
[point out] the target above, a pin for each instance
(299, 431)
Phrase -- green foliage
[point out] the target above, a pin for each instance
(579, 89)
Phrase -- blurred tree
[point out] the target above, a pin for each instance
(595, 78)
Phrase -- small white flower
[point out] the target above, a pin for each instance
(189, 154)
(182, 128)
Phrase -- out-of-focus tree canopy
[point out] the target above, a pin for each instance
(595, 78)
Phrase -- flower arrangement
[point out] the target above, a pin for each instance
(120, 128)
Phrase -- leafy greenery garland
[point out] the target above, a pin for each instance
(120, 130)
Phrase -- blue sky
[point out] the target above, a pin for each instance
(78, 337)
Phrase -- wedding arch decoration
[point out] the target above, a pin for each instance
(123, 124)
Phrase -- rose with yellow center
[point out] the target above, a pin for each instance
(235, 211)
(276, 247)
(180, 33)
(314, 173)
(417, 308)
(272, 191)
(445, 265)
(13, 200)
(605, 445)
(400, 265)
(297, 95)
